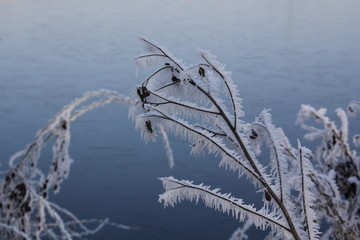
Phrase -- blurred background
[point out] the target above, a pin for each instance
(282, 54)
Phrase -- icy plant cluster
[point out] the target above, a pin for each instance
(337, 175)
(25, 209)
(201, 104)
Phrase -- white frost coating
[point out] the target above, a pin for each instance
(26, 188)
(15, 230)
(53, 214)
(173, 105)
(146, 126)
(307, 197)
(150, 59)
(200, 104)
(344, 135)
(14, 157)
(240, 233)
(241, 167)
(308, 112)
(177, 191)
(273, 137)
(263, 130)
(226, 76)
(333, 141)
(214, 145)
(155, 48)
(337, 198)
(201, 138)
(169, 152)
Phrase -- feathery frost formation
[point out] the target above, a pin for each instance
(201, 104)
(26, 211)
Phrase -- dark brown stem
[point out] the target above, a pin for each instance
(252, 163)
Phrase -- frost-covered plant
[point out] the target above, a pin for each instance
(25, 209)
(201, 104)
(337, 178)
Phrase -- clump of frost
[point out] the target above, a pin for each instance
(25, 209)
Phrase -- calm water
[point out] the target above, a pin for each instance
(282, 53)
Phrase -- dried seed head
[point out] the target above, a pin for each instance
(64, 125)
(254, 134)
(201, 72)
(148, 126)
(267, 196)
(143, 93)
(175, 79)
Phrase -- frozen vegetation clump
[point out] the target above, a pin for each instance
(201, 104)
(25, 209)
(300, 189)
(337, 177)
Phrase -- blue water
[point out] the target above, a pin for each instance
(282, 53)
